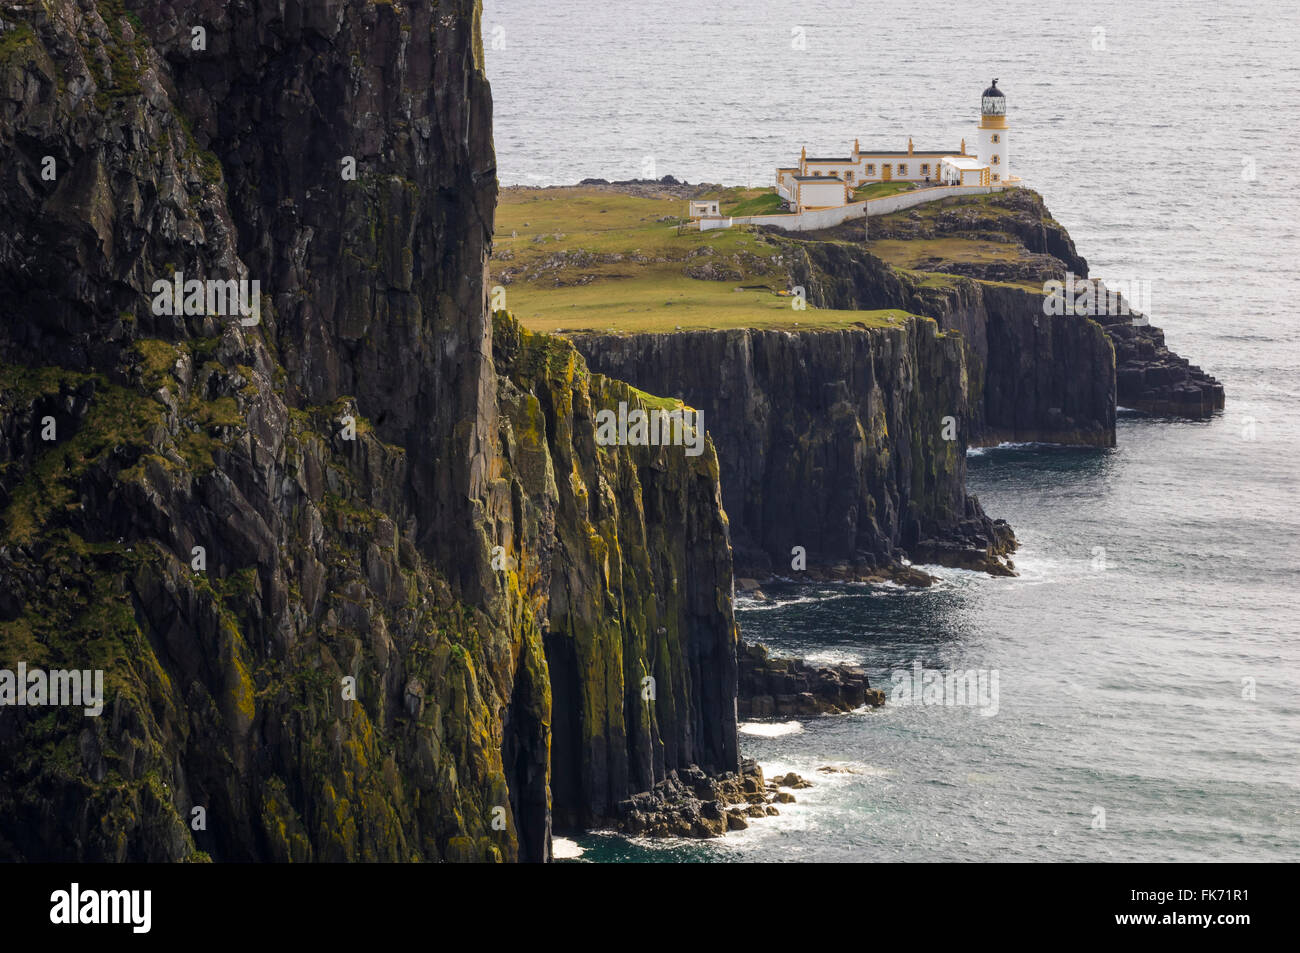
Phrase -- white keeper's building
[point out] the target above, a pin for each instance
(829, 182)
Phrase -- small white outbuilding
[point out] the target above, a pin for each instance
(963, 170)
(818, 191)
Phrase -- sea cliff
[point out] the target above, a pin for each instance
(841, 451)
(360, 581)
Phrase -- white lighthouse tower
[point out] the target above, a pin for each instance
(993, 134)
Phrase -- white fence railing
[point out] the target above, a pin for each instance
(829, 217)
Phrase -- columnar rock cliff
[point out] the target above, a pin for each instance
(1036, 377)
(851, 443)
(1150, 377)
(360, 580)
(641, 644)
(1032, 376)
(845, 444)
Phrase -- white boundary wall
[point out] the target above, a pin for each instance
(830, 217)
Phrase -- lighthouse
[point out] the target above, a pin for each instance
(993, 133)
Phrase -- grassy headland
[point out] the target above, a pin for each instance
(593, 258)
(615, 258)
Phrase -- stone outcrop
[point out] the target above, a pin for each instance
(362, 585)
(792, 688)
(1153, 379)
(1150, 377)
(1031, 377)
(830, 440)
(692, 804)
(1016, 215)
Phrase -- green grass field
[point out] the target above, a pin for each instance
(878, 190)
(911, 252)
(532, 224)
(766, 203)
(663, 301)
(587, 258)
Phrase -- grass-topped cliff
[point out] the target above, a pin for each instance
(841, 425)
(615, 259)
(601, 257)
(595, 258)
(361, 581)
(806, 451)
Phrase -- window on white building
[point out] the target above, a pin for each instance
(902, 168)
(996, 160)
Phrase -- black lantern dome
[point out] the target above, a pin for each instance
(993, 102)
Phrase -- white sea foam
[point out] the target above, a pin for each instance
(764, 729)
(845, 771)
(832, 657)
(1010, 445)
(748, 604)
(564, 849)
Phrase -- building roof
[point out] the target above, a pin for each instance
(993, 90)
(966, 162)
(847, 160)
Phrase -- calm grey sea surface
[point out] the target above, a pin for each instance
(1164, 136)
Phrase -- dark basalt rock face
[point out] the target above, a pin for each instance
(632, 542)
(1153, 379)
(1032, 377)
(1044, 378)
(792, 688)
(1149, 376)
(423, 605)
(833, 441)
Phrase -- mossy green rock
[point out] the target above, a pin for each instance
(357, 593)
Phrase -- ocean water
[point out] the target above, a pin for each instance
(1147, 655)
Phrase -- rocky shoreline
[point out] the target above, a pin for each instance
(693, 804)
(771, 687)
(1153, 379)
(430, 616)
